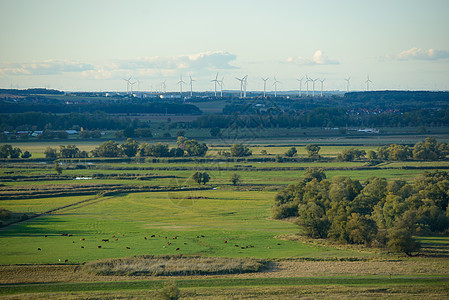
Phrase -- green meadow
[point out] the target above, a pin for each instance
(225, 220)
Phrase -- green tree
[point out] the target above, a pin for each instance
(107, 149)
(169, 291)
(239, 150)
(130, 147)
(69, 151)
(5, 151)
(291, 152)
(351, 154)
(26, 154)
(401, 240)
(312, 173)
(313, 151)
(201, 178)
(235, 179)
(50, 152)
(15, 152)
(58, 168)
(193, 148)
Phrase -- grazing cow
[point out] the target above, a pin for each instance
(242, 247)
(99, 247)
(175, 237)
(82, 247)
(145, 237)
(202, 236)
(66, 260)
(153, 235)
(197, 236)
(169, 243)
(39, 249)
(225, 242)
(113, 236)
(116, 239)
(45, 235)
(82, 239)
(105, 240)
(177, 249)
(70, 234)
(236, 245)
(128, 248)
(279, 244)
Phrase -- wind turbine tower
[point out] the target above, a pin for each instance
(191, 85)
(245, 83)
(180, 82)
(221, 82)
(264, 85)
(307, 85)
(275, 86)
(241, 86)
(132, 84)
(322, 81)
(347, 84)
(300, 86)
(127, 84)
(367, 83)
(215, 81)
(313, 86)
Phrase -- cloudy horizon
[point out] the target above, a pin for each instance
(92, 46)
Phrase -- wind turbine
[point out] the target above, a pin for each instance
(367, 83)
(322, 81)
(221, 82)
(241, 85)
(300, 86)
(138, 84)
(245, 83)
(180, 82)
(191, 85)
(163, 87)
(127, 84)
(313, 86)
(264, 85)
(307, 84)
(347, 84)
(215, 81)
(275, 86)
(132, 84)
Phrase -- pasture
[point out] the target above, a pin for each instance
(223, 220)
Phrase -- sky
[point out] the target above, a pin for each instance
(91, 45)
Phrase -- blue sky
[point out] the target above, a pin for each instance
(91, 45)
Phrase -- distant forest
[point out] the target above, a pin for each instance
(39, 109)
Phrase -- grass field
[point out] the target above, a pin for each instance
(223, 221)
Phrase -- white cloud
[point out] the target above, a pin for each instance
(213, 60)
(318, 58)
(203, 60)
(48, 67)
(422, 54)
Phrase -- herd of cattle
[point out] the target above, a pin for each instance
(151, 237)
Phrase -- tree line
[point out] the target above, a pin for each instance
(243, 116)
(106, 107)
(377, 213)
(131, 148)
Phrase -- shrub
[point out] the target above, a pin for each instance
(169, 291)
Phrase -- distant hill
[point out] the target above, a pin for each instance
(34, 91)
